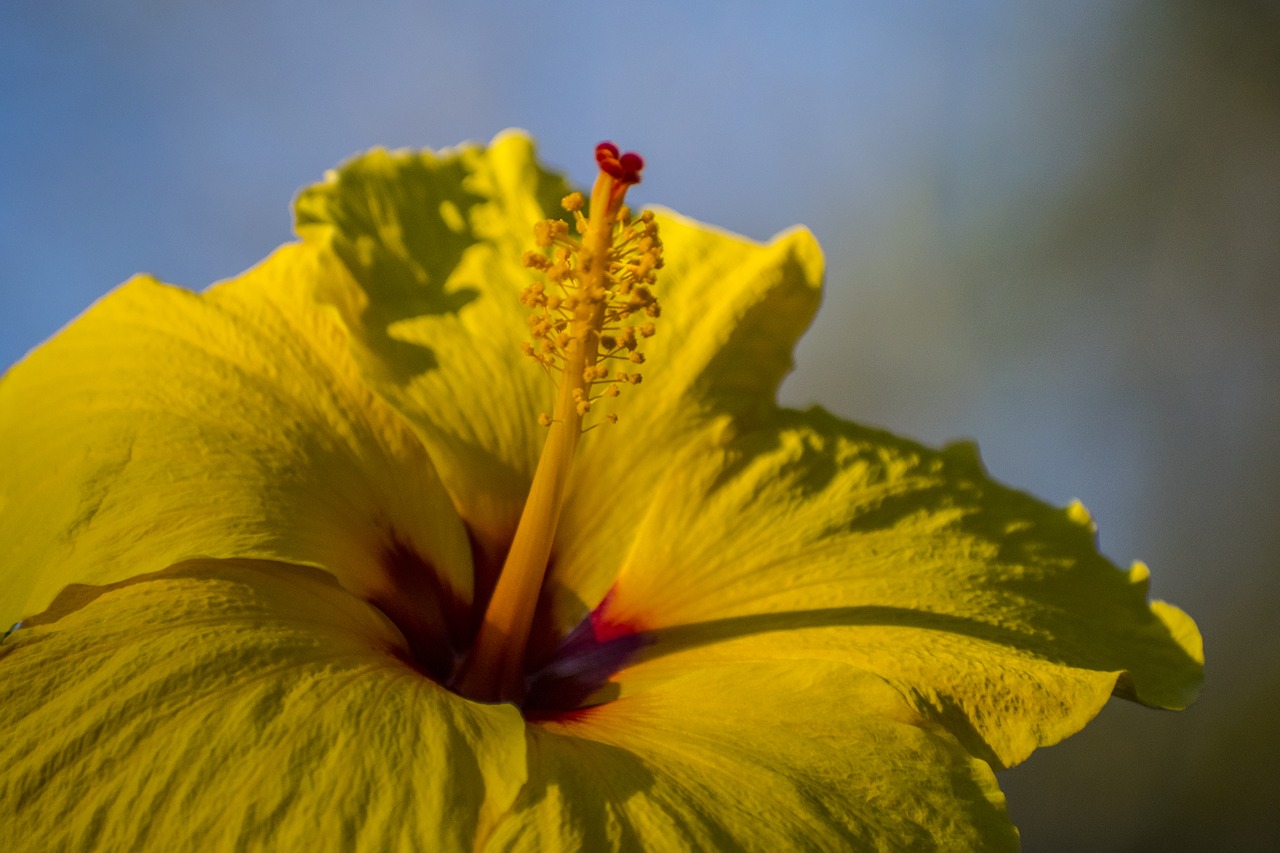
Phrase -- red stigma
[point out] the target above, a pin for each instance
(623, 168)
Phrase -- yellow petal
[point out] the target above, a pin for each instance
(163, 425)
(817, 539)
(762, 756)
(227, 705)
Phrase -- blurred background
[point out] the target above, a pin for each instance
(1052, 228)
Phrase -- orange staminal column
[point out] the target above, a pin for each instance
(591, 287)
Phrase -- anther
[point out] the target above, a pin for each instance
(546, 232)
(535, 260)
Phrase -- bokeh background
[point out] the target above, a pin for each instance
(1052, 228)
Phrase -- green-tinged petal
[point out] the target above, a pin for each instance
(993, 613)
(232, 705)
(433, 243)
(762, 756)
(163, 425)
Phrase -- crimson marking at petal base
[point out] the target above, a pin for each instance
(486, 567)
(430, 615)
(585, 660)
(608, 628)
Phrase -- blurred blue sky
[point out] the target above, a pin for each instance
(1050, 228)
(168, 136)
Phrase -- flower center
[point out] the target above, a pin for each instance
(591, 308)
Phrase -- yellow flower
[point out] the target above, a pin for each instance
(252, 535)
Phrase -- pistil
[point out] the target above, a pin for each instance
(596, 284)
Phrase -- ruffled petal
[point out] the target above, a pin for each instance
(760, 756)
(225, 705)
(163, 425)
(433, 243)
(817, 539)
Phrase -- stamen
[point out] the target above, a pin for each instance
(589, 286)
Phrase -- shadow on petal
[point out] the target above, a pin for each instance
(400, 226)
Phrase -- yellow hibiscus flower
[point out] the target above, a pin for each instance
(252, 539)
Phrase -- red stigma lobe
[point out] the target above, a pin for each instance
(623, 168)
